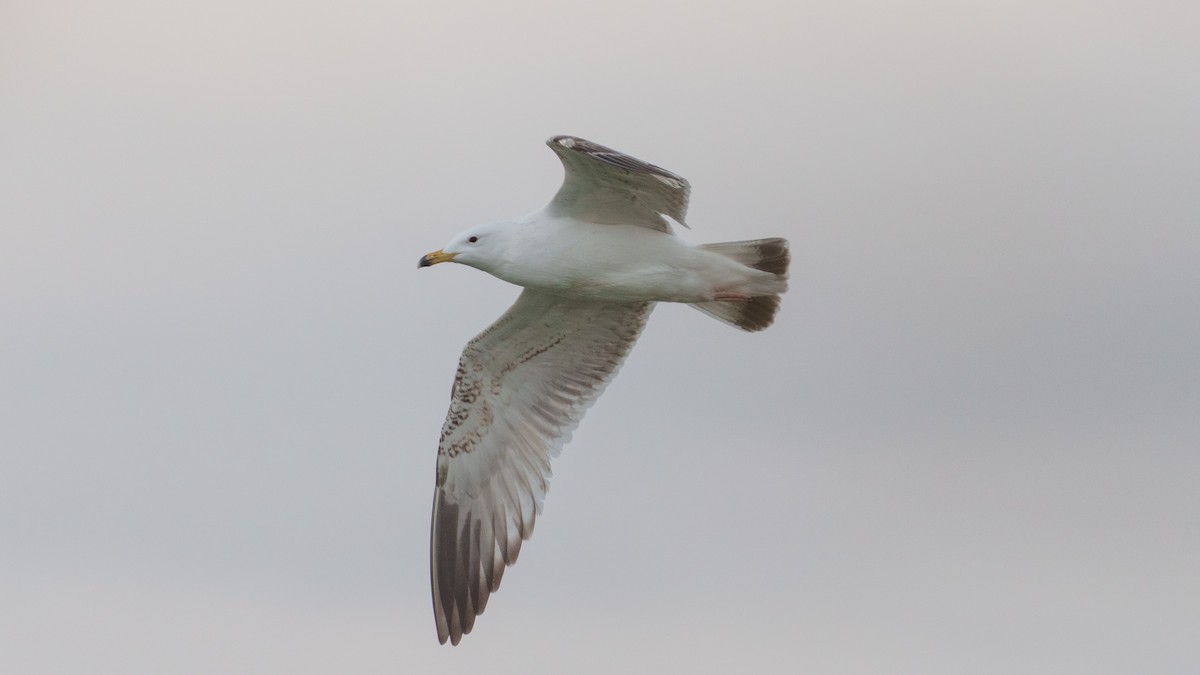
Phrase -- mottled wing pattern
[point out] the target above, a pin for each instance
(521, 388)
(605, 186)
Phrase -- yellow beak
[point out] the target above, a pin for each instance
(438, 256)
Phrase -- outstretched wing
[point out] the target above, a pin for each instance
(521, 388)
(608, 187)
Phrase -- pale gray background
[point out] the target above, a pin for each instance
(969, 445)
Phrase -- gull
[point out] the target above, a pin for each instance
(592, 263)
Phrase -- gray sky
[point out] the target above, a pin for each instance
(969, 444)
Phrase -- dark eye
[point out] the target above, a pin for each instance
(473, 239)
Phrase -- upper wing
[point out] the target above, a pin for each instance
(605, 186)
(521, 388)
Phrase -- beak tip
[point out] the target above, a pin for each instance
(434, 258)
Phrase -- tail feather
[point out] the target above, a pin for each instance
(758, 312)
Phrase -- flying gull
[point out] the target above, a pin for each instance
(592, 263)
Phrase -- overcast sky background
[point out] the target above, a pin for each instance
(970, 444)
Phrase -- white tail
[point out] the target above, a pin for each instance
(758, 312)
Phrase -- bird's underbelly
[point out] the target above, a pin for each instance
(619, 284)
(653, 283)
(614, 263)
(615, 279)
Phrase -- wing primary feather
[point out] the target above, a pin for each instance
(521, 387)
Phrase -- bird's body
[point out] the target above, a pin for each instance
(592, 263)
(617, 263)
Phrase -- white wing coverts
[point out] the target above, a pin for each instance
(521, 388)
